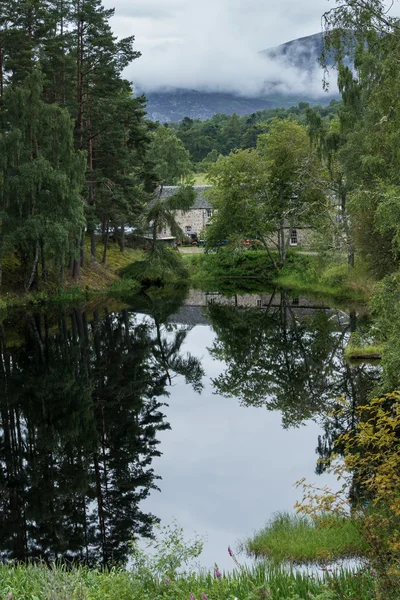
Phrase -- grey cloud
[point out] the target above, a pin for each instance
(139, 9)
(214, 44)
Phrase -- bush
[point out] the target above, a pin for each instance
(336, 276)
(161, 265)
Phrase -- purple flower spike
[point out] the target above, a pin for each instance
(204, 597)
(309, 595)
(373, 573)
(192, 597)
(218, 574)
(9, 597)
(167, 580)
(230, 551)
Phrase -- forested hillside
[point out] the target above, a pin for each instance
(206, 140)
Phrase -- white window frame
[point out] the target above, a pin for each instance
(294, 238)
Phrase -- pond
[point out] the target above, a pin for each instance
(171, 405)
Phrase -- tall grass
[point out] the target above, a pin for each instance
(298, 539)
(42, 583)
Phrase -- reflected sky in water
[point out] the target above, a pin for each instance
(99, 407)
(226, 468)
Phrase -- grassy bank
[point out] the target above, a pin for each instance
(363, 347)
(363, 353)
(42, 583)
(302, 273)
(96, 278)
(299, 540)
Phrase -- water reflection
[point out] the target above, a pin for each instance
(83, 395)
(81, 408)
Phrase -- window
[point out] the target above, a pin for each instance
(296, 301)
(209, 212)
(293, 238)
(259, 303)
(188, 229)
(164, 231)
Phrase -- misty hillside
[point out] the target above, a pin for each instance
(302, 54)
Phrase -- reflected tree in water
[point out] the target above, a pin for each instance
(81, 409)
(285, 358)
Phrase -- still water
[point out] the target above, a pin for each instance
(201, 408)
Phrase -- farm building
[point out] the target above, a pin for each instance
(197, 218)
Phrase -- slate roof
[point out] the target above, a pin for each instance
(201, 201)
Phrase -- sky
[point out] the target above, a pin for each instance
(213, 44)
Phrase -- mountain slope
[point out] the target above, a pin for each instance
(301, 54)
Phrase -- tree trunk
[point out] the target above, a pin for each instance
(63, 55)
(76, 263)
(43, 260)
(1, 255)
(122, 239)
(265, 244)
(80, 77)
(28, 285)
(90, 227)
(104, 260)
(82, 249)
(281, 244)
(1, 72)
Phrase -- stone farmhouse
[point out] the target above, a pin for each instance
(194, 221)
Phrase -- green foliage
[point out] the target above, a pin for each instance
(161, 212)
(206, 140)
(386, 312)
(367, 462)
(162, 265)
(265, 193)
(229, 262)
(336, 276)
(300, 540)
(65, 110)
(41, 180)
(158, 574)
(43, 583)
(171, 160)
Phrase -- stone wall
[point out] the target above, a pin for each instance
(196, 219)
(304, 237)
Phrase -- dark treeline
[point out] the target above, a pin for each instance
(81, 408)
(73, 140)
(206, 140)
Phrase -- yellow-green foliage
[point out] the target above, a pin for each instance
(371, 465)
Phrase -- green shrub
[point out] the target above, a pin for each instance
(336, 276)
(161, 265)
